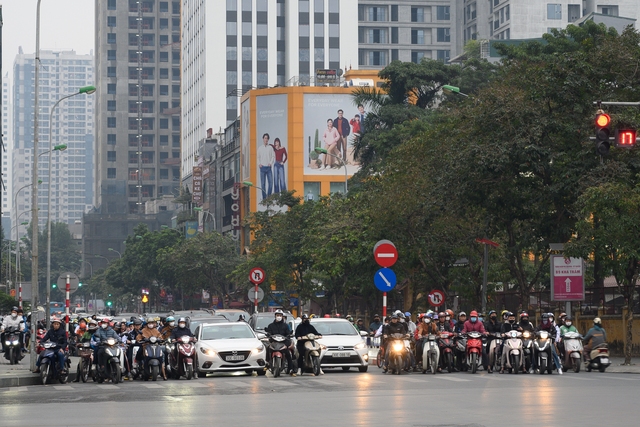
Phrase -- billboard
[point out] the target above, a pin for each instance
(272, 144)
(567, 278)
(332, 122)
(245, 137)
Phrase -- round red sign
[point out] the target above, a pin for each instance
(385, 255)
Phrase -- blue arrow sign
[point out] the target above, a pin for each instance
(385, 279)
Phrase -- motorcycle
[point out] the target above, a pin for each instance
(496, 343)
(278, 363)
(572, 351)
(50, 369)
(446, 350)
(312, 350)
(599, 358)
(398, 353)
(474, 350)
(12, 345)
(112, 369)
(181, 359)
(542, 352)
(527, 348)
(430, 354)
(153, 356)
(135, 367)
(86, 360)
(512, 352)
(461, 352)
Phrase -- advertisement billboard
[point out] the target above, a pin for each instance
(245, 137)
(567, 279)
(332, 122)
(272, 144)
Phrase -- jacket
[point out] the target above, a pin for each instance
(374, 326)
(444, 327)
(133, 334)
(508, 327)
(346, 129)
(564, 329)
(102, 335)
(178, 332)
(278, 328)
(395, 328)
(425, 329)
(10, 322)
(492, 327)
(470, 326)
(526, 326)
(147, 333)
(59, 337)
(166, 331)
(305, 329)
(549, 327)
(597, 336)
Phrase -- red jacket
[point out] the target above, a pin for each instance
(469, 326)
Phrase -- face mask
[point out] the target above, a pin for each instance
(151, 326)
(104, 326)
(568, 323)
(494, 318)
(512, 321)
(474, 319)
(14, 315)
(524, 320)
(545, 321)
(172, 324)
(427, 320)
(278, 318)
(448, 318)
(182, 325)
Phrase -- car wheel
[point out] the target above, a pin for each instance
(346, 368)
(362, 368)
(261, 372)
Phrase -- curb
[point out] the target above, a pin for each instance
(26, 380)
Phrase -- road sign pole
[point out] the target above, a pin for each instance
(66, 303)
(255, 299)
(20, 294)
(384, 305)
(484, 278)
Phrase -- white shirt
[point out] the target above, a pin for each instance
(266, 155)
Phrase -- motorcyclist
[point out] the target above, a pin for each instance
(410, 325)
(566, 327)
(508, 326)
(304, 328)
(594, 337)
(360, 325)
(178, 333)
(373, 326)
(150, 330)
(58, 336)
(91, 329)
(81, 328)
(492, 326)
(280, 327)
(424, 329)
(443, 325)
(459, 326)
(169, 325)
(131, 336)
(394, 327)
(449, 317)
(473, 324)
(524, 323)
(12, 321)
(548, 325)
(104, 332)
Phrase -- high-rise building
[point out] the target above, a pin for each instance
(232, 46)
(62, 73)
(137, 103)
(405, 30)
(7, 200)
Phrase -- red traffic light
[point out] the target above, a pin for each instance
(626, 138)
(603, 120)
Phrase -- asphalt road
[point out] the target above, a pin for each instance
(336, 398)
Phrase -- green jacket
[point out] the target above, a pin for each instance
(564, 329)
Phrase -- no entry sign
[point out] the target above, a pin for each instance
(385, 253)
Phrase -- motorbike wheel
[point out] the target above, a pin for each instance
(115, 374)
(83, 370)
(277, 366)
(189, 372)
(12, 358)
(379, 359)
(516, 364)
(602, 368)
(433, 363)
(576, 367)
(543, 366)
(155, 371)
(474, 363)
(449, 363)
(398, 365)
(316, 365)
(44, 374)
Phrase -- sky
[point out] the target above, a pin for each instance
(64, 25)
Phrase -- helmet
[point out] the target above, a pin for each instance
(545, 316)
(151, 320)
(137, 321)
(492, 312)
(116, 325)
(462, 313)
(327, 316)
(129, 323)
(278, 311)
(473, 314)
(524, 314)
(563, 315)
(407, 314)
(503, 312)
(105, 320)
(449, 312)
(182, 320)
(311, 316)
(435, 316)
(394, 316)
(401, 315)
(55, 320)
(429, 314)
(169, 319)
(597, 321)
(304, 316)
(441, 314)
(567, 318)
(510, 314)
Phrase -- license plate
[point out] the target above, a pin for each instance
(344, 354)
(234, 358)
(604, 360)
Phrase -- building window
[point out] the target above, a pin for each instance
(377, 35)
(164, 123)
(609, 10)
(164, 140)
(111, 71)
(111, 38)
(416, 56)
(111, 5)
(164, 23)
(164, 56)
(372, 13)
(394, 13)
(111, 173)
(111, 89)
(111, 139)
(111, 122)
(417, 14)
(443, 55)
(164, 90)
(111, 55)
(111, 156)
(175, 7)
(164, 6)
(417, 36)
(444, 35)
(442, 13)
(337, 187)
(554, 11)
(377, 58)
(164, 73)
(111, 105)
(111, 21)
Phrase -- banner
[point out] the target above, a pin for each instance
(196, 195)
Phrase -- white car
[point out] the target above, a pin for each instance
(228, 347)
(345, 347)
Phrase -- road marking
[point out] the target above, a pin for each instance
(282, 383)
(108, 387)
(153, 385)
(573, 377)
(238, 383)
(325, 382)
(492, 377)
(197, 385)
(21, 388)
(619, 378)
(451, 378)
(63, 387)
(413, 380)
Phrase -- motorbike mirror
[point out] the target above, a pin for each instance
(364, 334)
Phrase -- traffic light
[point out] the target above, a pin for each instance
(109, 303)
(603, 131)
(626, 138)
(54, 285)
(80, 284)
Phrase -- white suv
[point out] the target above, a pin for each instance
(345, 347)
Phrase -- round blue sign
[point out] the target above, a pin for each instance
(385, 279)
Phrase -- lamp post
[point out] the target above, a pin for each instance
(113, 250)
(15, 204)
(326, 153)
(83, 90)
(91, 271)
(9, 247)
(453, 89)
(205, 213)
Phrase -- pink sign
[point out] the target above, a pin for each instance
(567, 279)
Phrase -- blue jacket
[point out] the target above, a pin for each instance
(102, 335)
(59, 337)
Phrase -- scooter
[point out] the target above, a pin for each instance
(430, 354)
(527, 348)
(496, 343)
(181, 360)
(542, 352)
(599, 358)
(572, 351)
(398, 353)
(153, 357)
(12, 345)
(446, 350)
(312, 350)
(512, 352)
(277, 346)
(135, 366)
(86, 361)
(112, 369)
(461, 352)
(50, 369)
(474, 350)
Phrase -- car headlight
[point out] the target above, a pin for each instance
(207, 351)
(359, 345)
(398, 346)
(257, 350)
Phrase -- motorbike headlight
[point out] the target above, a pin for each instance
(185, 339)
(153, 339)
(526, 334)
(15, 342)
(398, 346)
(7, 342)
(359, 345)
(111, 341)
(544, 335)
(207, 351)
(257, 350)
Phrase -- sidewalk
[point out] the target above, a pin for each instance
(20, 375)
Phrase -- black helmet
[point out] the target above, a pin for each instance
(304, 316)
(492, 312)
(137, 321)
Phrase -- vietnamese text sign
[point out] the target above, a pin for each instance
(567, 278)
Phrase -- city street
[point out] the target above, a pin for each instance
(337, 398)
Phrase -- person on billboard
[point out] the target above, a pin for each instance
(362, 115)
(331, 138)
(279, 181)
(344, 129)
(266, 159)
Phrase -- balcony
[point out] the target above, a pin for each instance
(227, 184)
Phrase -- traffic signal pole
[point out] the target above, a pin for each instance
(67, 291)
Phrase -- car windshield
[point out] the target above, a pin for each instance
(264, 321)
(221, 332)
(194, 323)
(335, 328)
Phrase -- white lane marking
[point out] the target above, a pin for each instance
(494, 377)
(153, 385)
(619, 378)
(573, 377)
(442, 377)
(238, 383)
(325, 382)
(196, 385)
(21, 388)
(63, 387)
(282, 383)
(108, 387)
(413, 380)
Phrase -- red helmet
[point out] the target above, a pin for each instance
(105, 320)
(327, 316)
(54, 319)
(473, 314)
(450, 312)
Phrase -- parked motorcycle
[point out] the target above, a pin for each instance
(112, 359)
(153, 358)
(181, 360)
(572, 351)
(446, 350)
(50, 369)
(398, 353)
(86, 361)
(542, 352)
(12, 345)
(512, 352)
(599, 358)
(474, 350)
(430, 354)
(312, 350)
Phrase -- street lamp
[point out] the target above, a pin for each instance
(83, 90)
(113, 250)
(91, 271)
(326, 153)
(15, 204)
(453, 89)
(199, 209)
(9, 247)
